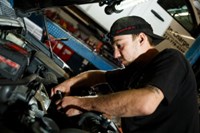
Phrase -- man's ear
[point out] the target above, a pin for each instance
(141, 40)
(142, 37)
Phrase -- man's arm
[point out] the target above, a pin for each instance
(134, 102)
(88, 78)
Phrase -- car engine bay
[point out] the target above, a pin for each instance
(27, 74)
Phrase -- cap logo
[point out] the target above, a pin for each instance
(125, 29)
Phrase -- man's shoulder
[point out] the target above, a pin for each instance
(169, 56)
(170, 52)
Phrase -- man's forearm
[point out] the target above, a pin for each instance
(126, 103)
(89, 78)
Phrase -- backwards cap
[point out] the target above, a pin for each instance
(133, 25)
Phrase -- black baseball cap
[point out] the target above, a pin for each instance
(133, 25)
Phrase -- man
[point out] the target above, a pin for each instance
(155, 92)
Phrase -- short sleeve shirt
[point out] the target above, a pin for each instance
(172, 74)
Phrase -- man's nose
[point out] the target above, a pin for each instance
(117, 53)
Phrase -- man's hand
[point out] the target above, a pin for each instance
(63, 87)
(69, 105)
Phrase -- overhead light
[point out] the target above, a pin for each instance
(181, 14)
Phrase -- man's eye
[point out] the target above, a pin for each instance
(119, 46)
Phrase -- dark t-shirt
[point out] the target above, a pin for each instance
(172, 74)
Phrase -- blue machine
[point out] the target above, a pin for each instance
(79, 47)
(194, 52)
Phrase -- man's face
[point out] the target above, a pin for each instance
(126, 48)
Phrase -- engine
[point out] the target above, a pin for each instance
(24, 82)
(27, 74)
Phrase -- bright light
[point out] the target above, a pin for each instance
(129, 3)
(181, 14)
